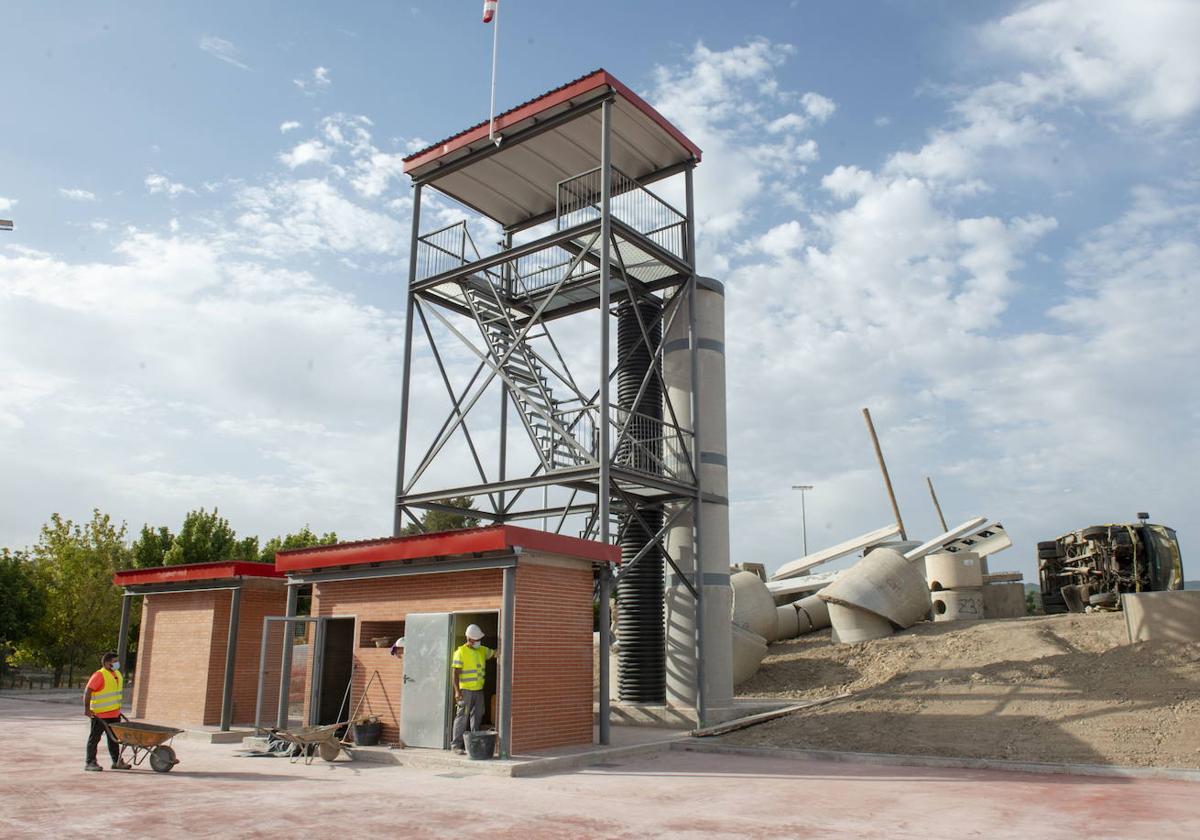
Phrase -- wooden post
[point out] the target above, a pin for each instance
(936, 506)
(887, 481)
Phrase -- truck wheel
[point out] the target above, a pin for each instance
(1096, 532)
(1049, 553)
(1104, 599)
(1048, 545)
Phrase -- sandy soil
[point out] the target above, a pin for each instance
(1058, 689)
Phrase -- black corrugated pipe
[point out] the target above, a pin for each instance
(641, 662)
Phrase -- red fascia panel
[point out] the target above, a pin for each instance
(545, 102)
(194, 571)
(496, 538)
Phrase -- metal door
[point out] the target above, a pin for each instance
(425, 698)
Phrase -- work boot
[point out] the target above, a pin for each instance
(93, 766)
(455, 750)
(122, 764)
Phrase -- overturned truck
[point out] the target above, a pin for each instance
(1093, 566)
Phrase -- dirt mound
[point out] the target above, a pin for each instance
(1056, 689)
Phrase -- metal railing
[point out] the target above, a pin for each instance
(446, 249)
(579, 201)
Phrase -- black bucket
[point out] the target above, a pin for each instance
(367, 734)
(480, 745)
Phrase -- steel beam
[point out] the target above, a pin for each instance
(123, 634)
(285, 669)
(235, 606)
(507, 629)
(405, 390)
(406, 568)
(605, 328)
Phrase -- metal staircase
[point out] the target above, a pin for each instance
(553, 428)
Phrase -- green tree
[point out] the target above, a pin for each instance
(304, 538)
(207, 538)
(149, 550)
(74, 566)
(22, 602)
(440, 520)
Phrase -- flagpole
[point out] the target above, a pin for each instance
(492, 108)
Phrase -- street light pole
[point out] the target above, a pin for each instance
(803, 513)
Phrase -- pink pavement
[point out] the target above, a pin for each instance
(212, 793)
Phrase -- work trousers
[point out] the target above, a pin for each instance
(100, 731)
(470, 707)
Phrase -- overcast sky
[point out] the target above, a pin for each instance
(980, 220)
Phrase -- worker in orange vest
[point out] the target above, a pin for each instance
(467, 675)
(102, 702)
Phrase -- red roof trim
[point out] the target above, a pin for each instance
(559, 95)
(445, 544)
(194, 571)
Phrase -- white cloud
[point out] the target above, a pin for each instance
(156, 184)
(221, 49)
(291, 217)
(1137, 59)
(76, 194)
(819, 107)
(319, 80)
(310, 151)
(7, 204)
(731, 104)
(290, 125)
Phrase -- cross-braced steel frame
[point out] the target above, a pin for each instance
(605, 462)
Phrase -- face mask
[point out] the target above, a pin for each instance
(473, 642)
(116, 666)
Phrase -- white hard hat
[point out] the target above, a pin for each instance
(474, 633)
(399, 643)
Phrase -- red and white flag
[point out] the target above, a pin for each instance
(489, 10)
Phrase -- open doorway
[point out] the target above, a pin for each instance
(336, 670)
(489, 623)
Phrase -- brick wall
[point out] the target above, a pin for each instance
(260, 598)
(392, 599)
(552, 656)
(181, 659)
(175, 644)
(552, 648)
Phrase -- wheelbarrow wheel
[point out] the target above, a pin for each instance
(162, 759)
(330, 750)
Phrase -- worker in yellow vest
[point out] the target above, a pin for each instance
(102, 702)
(467, 673)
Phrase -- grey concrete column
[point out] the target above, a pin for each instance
(713, 531)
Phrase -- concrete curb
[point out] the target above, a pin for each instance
(514, 768)
(945, 762)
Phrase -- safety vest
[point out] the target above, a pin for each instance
(470, 663)
(108, 699)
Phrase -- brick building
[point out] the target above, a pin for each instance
(530, 591)
(200, 638)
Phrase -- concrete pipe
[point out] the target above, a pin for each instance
(958, 605)
(815, 610)
(953, 570)
(748, 652)
(787, 622)
(706, 399)
(1004, 600)
(753, 605)
(884, 583)
(851, 625)
(803, 622)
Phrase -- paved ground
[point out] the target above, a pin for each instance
(212, 793)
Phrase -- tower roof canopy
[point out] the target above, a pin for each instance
(547, 140)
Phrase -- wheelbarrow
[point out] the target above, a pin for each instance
(144, 740)
(309, 741)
